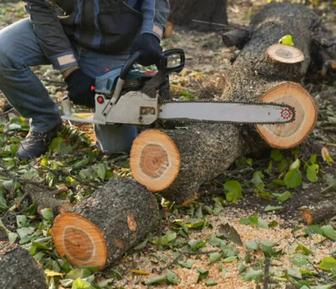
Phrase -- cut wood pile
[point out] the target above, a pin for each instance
(176, 162)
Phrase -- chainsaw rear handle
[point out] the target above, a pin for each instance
(163, 65)
(170, 53)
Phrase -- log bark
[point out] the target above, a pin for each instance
(203, 151)
(19, 270)
(206, 151)
(212, 14)
(98, 231)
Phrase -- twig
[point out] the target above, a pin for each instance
(267, 272)
(200, 252)
(173, 262)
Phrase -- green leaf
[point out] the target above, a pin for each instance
(328, 264)
(195, 245)
(166, 239)
(196, 224)
(329, 232)
(277, 155)
(21, 221)
(267, 247)
(24, 232)
(215, 257)
(230, 233)
(303, 250)
(312, 173)
(210, 283)
(300, 260)
(188, 264)
(56, 145)
(47, 214)
(253, 275)
(270, 208)
(81, 284)
(293, 179)
(295, 273)
(281, 198)
(255, 221)
(172, 278)
(252, 245)
(295, 165)
(3, 203)
(101, 171)
(156, 280)
(202, 274)
(230, 259)
(233, 191)
(258, 178)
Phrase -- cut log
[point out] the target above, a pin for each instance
(285, 54)
(19, 270)
(318, 212)
(199, 14)
(290, 135)
(206, 151)
(176, 162)
(98, 231)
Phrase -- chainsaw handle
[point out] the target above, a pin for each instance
(162, 66)
(169, 53)
(129, 64)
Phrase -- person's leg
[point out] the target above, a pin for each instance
(110, 138)
(19, 50)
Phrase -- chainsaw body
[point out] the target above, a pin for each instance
(129, 96)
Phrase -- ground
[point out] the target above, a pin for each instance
(257, 241)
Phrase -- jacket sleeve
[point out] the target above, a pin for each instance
(155, 16)
(50, 34)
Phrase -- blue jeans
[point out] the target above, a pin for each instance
(19, 50)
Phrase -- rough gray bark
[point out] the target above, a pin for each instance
(109, 208)
(206, 151)
(319, 211)
(253, 72)
(19, 270)
(183, 12)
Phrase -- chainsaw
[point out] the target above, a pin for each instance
(129, 96)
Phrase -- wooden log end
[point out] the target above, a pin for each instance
(285, 54)
(79, 240)
(285, 136)
(154, 160)
(307, 216)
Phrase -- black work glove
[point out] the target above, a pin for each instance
(81, 88)
(149, 47)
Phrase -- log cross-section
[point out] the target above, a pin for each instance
(99, 230)
(207, 150)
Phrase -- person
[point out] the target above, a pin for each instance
(82, 39)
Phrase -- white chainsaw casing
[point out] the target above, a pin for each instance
(133, 107)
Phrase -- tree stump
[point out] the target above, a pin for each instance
(180, 161)
(19, 270)
(98, 231)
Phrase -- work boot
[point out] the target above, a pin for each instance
(36, 143)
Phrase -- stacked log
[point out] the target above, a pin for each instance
(177, 162)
